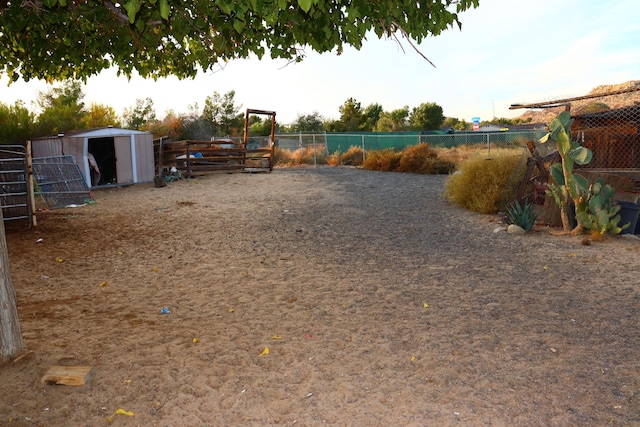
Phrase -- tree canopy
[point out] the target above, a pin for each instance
(61, 39)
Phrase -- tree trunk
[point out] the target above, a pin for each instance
(10, 336)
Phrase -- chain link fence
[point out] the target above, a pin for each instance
(614, 138)
(325, 144)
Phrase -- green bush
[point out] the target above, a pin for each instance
(479, 183)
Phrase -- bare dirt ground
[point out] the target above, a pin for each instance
(379, 302)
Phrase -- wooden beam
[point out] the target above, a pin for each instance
(68, 375)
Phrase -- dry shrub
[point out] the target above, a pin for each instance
(283, 156)
(419, 158)
(352, 157)
(334, 159)
(422, 158)
(305, 156)
(382, 160)
(414, 158)
(302, 156)
(479, 184)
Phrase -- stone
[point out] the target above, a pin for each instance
(515, 229)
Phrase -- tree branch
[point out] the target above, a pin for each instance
(124, 19)
(395, 27)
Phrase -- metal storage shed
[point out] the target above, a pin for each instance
(123, 156)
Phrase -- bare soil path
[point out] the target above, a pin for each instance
(379, 302)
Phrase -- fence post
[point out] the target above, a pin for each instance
(315, 158)
(363, 149)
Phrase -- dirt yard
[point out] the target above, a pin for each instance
(378, 303)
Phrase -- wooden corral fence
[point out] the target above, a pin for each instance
(194, 158)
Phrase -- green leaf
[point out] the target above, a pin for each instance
(238, 25)
(556, 173)
(132, 8)
(164, 9)
(563, 141)
(581, 155)
(544, 138)
(305, 4)
(581, 182)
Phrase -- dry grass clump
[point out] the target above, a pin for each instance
(463, 152)
(419, 158)
(479, 183)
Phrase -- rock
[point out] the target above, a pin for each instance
(498, 229)
(515, 229)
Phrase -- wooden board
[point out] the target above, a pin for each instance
(68, 375)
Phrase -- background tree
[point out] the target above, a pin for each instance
(77, 39)
(195, 126)
(143, 112)
(224, 115)
(351, 115)
(457, 124)
(100, 116)
(171, 126)
(394, 121)
(426, 116)
(371, 116)
(62, 109)
(17, 123)
(261, 126)
(308, 123)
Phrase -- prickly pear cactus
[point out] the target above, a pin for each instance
(569, 186)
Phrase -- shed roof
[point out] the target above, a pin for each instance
(96, 133)
(105, 132)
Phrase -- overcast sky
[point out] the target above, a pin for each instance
(508, 51)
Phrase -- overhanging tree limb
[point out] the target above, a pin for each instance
(61, 39)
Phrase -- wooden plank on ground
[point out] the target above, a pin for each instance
(68, 375)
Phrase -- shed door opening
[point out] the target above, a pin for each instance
(104, 151)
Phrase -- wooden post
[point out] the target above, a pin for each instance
(10, 337)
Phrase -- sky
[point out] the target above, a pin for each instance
(508, 52)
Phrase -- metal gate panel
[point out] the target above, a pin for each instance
(14, 191)
(60, 182)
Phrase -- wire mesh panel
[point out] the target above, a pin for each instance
(14, 192)
(60, 182)
(613, 137)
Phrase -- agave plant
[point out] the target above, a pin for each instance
(521, 215)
